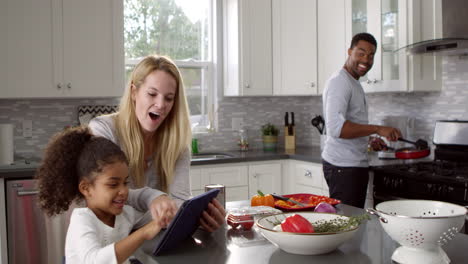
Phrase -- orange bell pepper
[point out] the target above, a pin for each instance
(262, 199)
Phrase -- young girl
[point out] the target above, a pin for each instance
(76, 166)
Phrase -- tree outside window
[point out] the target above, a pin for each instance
(182, 30)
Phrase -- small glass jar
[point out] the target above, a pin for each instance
(243, 140)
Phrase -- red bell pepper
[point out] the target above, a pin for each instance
(297, 224)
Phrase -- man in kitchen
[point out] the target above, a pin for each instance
(344, 157)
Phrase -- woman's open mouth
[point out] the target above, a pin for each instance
(154, 116)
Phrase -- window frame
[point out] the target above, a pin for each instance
(209, 70)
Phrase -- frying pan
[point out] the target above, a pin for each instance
(411, 153)
(420, 151)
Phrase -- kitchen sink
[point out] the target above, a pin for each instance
(210, 156)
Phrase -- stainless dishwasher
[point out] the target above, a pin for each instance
(32, 236)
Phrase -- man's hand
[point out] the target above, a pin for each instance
(389, 133)
(214, 217)
(377, 144)
(163, 209)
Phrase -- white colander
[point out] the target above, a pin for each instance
(421, 227)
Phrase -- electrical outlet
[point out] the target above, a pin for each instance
(27, 128)
(237, 123)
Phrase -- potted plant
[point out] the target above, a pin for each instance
(270, 136)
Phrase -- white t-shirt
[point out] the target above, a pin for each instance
(344, 99)
(91, 241)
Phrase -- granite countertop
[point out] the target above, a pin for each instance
(23, 168)
(370, 244)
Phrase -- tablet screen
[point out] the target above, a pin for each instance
(184, 223)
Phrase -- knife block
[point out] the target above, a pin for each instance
(289, 140)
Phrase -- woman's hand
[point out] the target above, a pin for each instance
(163, 209)
(214, 217)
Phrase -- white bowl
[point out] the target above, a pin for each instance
(420, 227)
(303, 243)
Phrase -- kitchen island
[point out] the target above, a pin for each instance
(369, 245)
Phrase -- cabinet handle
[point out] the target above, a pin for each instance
(312, 84)
(247, 85)
(27, 192)
(375, 81)
(368, 81)
(59, 86)
(308, 173)
(255, 175)
(69, 85)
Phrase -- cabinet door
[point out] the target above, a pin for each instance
(386, 21)
(294, 47)
(195, 181)
(234, 178)
(331, 39)
(93, 48)
(26, 48)
(255, 48)
(308, 177)
(424, 23)
(265, 177)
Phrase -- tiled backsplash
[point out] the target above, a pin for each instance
(50, 116)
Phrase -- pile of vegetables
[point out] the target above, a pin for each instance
(298, 224)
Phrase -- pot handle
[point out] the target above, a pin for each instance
(376, 213)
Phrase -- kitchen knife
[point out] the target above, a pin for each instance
(279, 197)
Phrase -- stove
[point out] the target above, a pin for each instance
(443, 179)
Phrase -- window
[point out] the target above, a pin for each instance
(184, 31)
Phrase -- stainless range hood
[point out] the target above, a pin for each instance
(454, 39)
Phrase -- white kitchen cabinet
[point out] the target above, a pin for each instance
(307, 177)
(61, 48)
(395, 24)
(248, 51)
(331, 39)
(233, 177)
(295, 47)
(242, 180)
(265, 177)
(425, 22)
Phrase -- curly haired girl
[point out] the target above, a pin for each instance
(77, 166)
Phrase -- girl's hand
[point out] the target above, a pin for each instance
(214, 217)
(163, 209)
(151, 229)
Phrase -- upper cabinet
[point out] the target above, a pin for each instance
(394, 23)
(331, 39)
(61, 48)
(294, 47)
(248, 48)
(270, 47)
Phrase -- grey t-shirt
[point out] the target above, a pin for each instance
(141, 198)
(344, 99)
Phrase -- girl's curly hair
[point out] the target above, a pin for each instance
(71, 156)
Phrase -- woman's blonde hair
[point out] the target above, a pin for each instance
(172, 137)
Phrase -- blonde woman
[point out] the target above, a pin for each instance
(153, 129)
